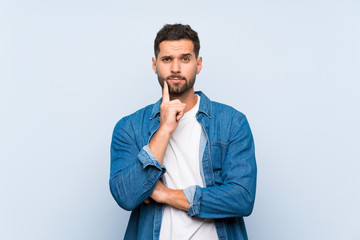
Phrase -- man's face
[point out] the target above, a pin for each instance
(176, 63)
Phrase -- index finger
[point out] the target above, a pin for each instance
(165, 94)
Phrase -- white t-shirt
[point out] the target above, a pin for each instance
(183, 170)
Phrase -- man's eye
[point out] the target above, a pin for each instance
(186, 59)
(166, 59)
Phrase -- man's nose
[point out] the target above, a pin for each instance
(175, 67)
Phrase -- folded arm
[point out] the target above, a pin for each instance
(235, 195)
(134, 173)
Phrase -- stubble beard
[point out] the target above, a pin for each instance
(178, 88)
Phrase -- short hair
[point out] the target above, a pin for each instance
(176, 32)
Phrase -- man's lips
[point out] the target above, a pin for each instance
(175, 79)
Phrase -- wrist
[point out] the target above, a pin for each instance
(159, 143)
(176, 198)
(164, 132)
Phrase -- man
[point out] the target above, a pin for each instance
(185, 166)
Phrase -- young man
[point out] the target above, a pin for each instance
(185, 166)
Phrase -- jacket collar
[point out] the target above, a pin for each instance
(205, 106)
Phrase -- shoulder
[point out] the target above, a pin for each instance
(216, 109)
(224, 109)
(142, 112)
(225, 114)
(136, 117)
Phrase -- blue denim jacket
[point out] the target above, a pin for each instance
(228, 169)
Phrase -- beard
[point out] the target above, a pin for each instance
(177, 88)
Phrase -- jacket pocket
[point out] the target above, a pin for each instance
(218, 154)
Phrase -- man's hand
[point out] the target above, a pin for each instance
(171, 111)
(160, 192)
(174, 198)
(170, 114)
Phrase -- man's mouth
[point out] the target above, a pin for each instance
(175, 78)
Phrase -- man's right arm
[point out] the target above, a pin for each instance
(171, 113)
(133, 173)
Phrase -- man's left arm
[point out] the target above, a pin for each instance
(173, 197)
(235, 196)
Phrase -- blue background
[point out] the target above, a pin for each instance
(69, 70)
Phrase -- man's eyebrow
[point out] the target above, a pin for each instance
(186, 54)
(164, 57)
(182, 55)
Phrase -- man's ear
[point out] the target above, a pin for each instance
(199, 65)
(154, 64)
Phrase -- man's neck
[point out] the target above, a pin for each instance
(188, 97)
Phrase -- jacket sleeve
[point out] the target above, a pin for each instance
(235, 196)
(133, 171)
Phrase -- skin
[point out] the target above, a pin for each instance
(178, 58)
(176, 66)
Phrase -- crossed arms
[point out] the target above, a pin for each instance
(135, 174)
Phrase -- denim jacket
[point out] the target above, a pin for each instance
(228, 169)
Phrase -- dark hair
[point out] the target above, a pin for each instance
(177, 32)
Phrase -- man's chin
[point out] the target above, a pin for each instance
(176, 87)
(178, 90)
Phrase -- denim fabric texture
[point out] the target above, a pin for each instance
(228, 169)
